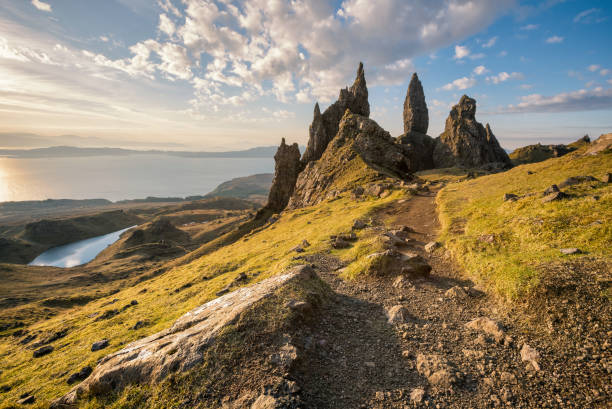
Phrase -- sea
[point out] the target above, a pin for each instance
(120, 177)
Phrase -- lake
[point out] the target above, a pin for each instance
(77, 253)
(120, 177)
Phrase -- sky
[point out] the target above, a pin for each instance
(235, 74)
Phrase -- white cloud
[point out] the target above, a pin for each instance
(476, 56)
(481, 69)
(593, 67)
(166, 25)
(604, 72)
(554, 40)
(41, 5)
(490, 43)
(104, 39)
(503, 53)
(530, 27)
(581, 100)
(588, 16)
(175, 61)
(168, 7)
(526, 86)
(461, 52)
(460, 84)
(503, 77)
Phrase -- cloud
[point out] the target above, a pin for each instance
(460, 84)
(576, 101)
(589, 16)
(503, 53)
(604, 72)
(526, 86)
(42, 6)
(166, 25)
(490, 43)
(481, 69)
(168, 7)
(461, 52)
(554, 40)
(530, 27)
(503, 77)
(104, 39)
(593, 67)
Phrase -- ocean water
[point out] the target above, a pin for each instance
(77, 253)
(120, 177)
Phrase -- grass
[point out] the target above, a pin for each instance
(165, 297)
(526, 233)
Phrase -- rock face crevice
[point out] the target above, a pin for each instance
(466, 143)
(286, 170)
(324, 126)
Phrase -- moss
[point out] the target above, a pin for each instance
(525, 233)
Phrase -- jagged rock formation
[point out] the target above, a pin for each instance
(357, 136)
(325, 126)
(418, 145)
(286, 171)
(466, 143)
(538, 152)
(416, 116)
(182, 347)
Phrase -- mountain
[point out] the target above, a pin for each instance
(365, 281)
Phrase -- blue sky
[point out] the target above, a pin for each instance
(233, 74)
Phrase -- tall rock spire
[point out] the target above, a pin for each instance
(416, 116)
(324, 126)
(286, 170)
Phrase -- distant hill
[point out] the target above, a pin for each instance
(538, 152)
(250, 187)
(73, 151)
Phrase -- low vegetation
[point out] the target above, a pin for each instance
(504, 243)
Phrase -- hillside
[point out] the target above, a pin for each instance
(369, 279)
(538, 152)
(254, 187)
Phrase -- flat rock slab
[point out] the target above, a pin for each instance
(180, 347)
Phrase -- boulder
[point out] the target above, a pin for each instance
(432, 246)
(556, 196)
(398, 314)
(96, 346)
(608, 178)
(79, 376)
(456, 292)
(550, 190)
(26, 400)
(286, 170)
(325, 126)
(466, 143)
(181, 347)
(488, 326)
(570, 251)
(417, 395)
(531, 355)
(47, 349)
(510, 197)
(576, 180)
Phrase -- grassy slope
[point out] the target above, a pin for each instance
(527, 232)
(169, 295)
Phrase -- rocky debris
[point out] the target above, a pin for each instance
(416, 116)
(550, 190)
(488, 326)
(298, 249)
(398, 314)
(402, 282)
(438, 371)
(359, 225)
(601, 144)
(431, 246)
(530, 355)
(556, 196)
(305, 243)
(325, 126)
(79, 376)
(286, 170)
(576, 180)
(415, 267)
(26, 400)
(391, 262)
(570, 251)
(180, 347)
(139, 324)
(98, 345)
(47, 349)
(340, 243)
(456, 292)
(510, 197)
(107, 314)
(466, 143)
(417, 395)
(50, 337)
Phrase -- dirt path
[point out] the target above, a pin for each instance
(360, 360)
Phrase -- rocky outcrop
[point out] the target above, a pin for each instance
(416, 116)
(538, 152)
(286, 170)
(466, 143)
(182, 346)
(357, 136)
(418, 145)
(601, 144)
(325, 126)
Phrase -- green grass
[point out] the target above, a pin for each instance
(165, 297)
(527, 233)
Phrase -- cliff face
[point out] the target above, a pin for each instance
(325, 126)
(466, 143)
